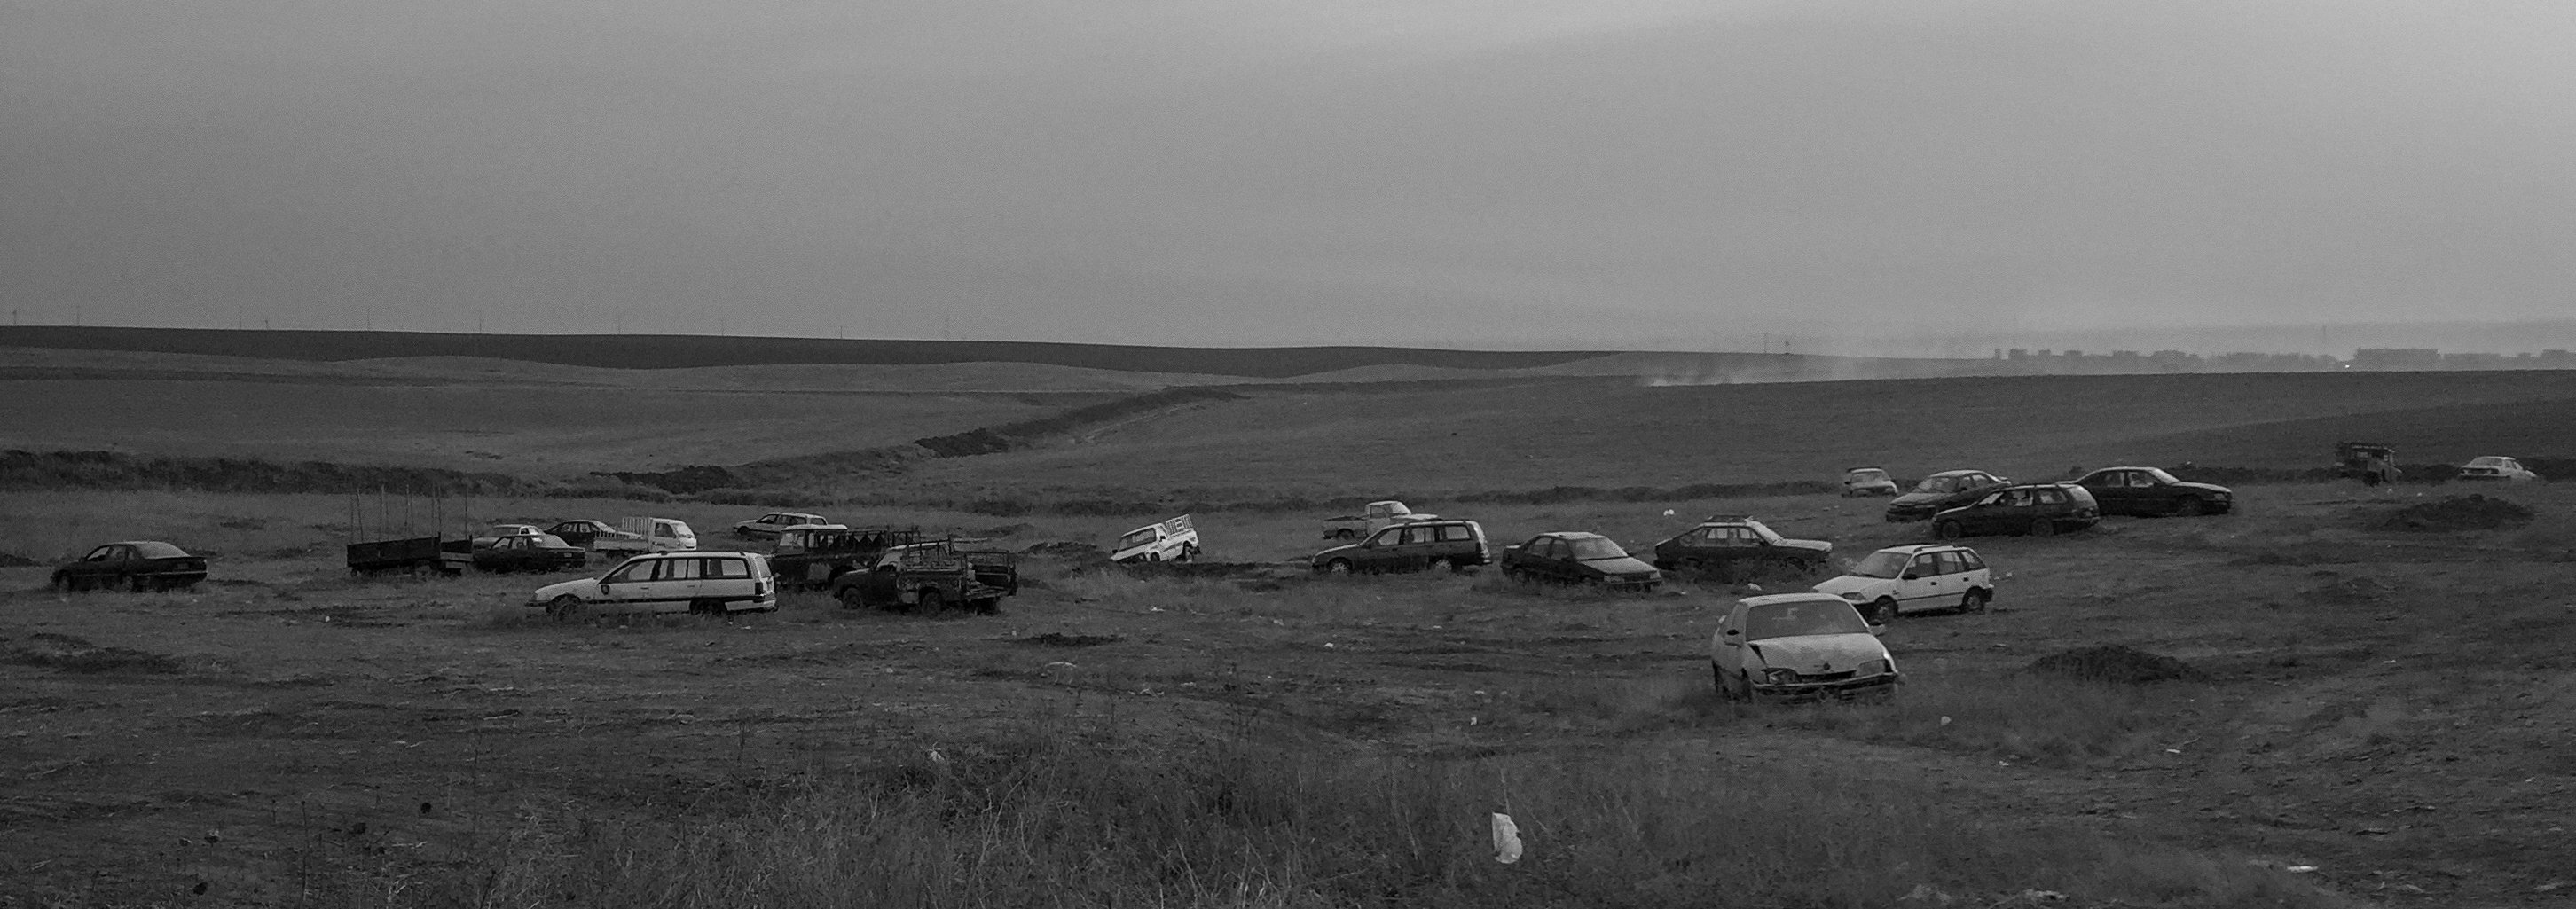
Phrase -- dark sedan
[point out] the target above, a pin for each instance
(1735, 548)
(1574, 557)
(2149, 492)
(1941, 491)
(2037, 509)
(530, 552)
(138, 565)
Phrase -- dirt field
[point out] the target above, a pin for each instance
(2383, 718)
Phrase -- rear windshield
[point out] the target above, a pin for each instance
(156, 550)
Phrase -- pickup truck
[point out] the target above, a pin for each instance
(644, 535)
(1171, 540)
(932, 575)
(1380, 514)
(814, 557)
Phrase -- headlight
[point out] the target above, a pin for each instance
(1780, 676)
(1877, 667)
(1853, 595)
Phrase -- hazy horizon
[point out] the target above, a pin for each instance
(1937, 178)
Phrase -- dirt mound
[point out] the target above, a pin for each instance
(1063, 549)
(2469, 512)
(71, 654)
(13, 561)
(2122, 665)
(1056, 639)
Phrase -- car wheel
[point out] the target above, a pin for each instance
(1338, 566)
(63, 583)
(1343, 534)
(2043, 527)
(1883, 612)
(933, 600)
(851, 598)
(564, 607)
(2189, 507)
(1949, 530)
(1975, 601)
(1441, 565)
(1717, 678)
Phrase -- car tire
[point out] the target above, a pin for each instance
(931, 600)
(1338, 567)
(1949, 530)
(1441, 564)
(851, 597)
(566, 606)
(2043, 527)
(1975, 600)
(1344, 534)
(2189, 507)
(1883, 612)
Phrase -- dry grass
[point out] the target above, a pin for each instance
(1055, 822)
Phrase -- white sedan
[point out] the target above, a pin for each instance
(2492, 467)
(1798, 646)
(769, 525)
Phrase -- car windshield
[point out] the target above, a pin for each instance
(1938, 484)
(1788, 620)
(1139, 538)
(1866, 476)
(1596, 549)
(2159, 475)
(1881, 564)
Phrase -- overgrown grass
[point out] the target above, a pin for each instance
(1058, 823)
(2042, 720)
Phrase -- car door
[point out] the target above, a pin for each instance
(99, 567)
(1547, 558)
(627, 585)
(1729, 652)
(1381, 550)
(675, 584)
(1923, 584)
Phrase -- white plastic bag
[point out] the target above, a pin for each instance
(1507, 839)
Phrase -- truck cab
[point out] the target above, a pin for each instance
(1172, 540)
(1378, 516)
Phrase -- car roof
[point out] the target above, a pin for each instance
(2127, 467)
(1919, 548)
(1574, 535)
(1962, 472)
(1777, 598)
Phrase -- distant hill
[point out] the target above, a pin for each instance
(688, 351)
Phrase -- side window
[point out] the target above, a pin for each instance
(1951, 564)
(2017, 497)
(1456, 533)
(629, 572)
(2052, 497)
(1548, 548)
(100, 554)
(1969, 561)
(1925, 565)
(1416, 535)
(676, 570)
(1386, 537)
(727, 568)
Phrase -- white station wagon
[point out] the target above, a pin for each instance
(714, 583)
(1915, 578)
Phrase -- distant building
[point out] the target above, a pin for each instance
(2397, 358)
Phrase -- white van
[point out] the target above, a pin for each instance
(651, 535)
(705, 582)
(1173, 540)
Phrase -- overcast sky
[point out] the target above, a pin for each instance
(1466, 172)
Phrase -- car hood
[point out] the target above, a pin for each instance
(1624, 565)
(2202, 487)
(1867, 587)
(1808, 545)
(1920, 498)
(1805, 653)
(580, 588)
(1327, 555)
